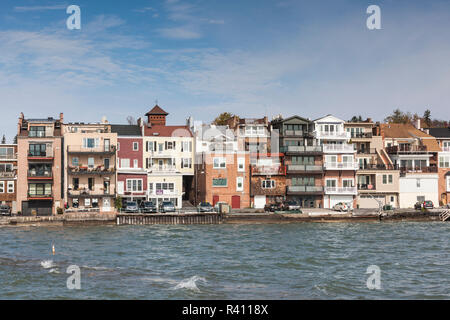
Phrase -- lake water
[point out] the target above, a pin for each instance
(261, 261)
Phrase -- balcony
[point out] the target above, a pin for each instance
(406, 149)
(367, 151)
(341, 190)
(296, 168)
(293, 133)
(445, 149)
(9, 157)
(40, 175)
(272, 170)
(83, 170)
(302, 149)
(40, 196)
(164, 192)
(162, 169)
(304, 189)
(42, 155)
(361, 135)
(332, 135)
(341, 165)
(7, 174)
(405, 170)
(95, 150)
(366, 187)
(83, 193)
(378, 167)
(338, 148)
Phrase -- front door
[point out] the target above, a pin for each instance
(236, 202)
(215, 200)
(107, 145)
(106, 187)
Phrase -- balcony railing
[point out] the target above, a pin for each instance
(90, 193)
(164, 168)
(367, 151)
(40, 174)
(42, 154)
(8, 156)
(303, 167)
(293, 133)
(330, 148)
(306, 189)
(40, 195)
(361, 135)
(163, 192)
(302, 149)
(86, 170)
(341, 165)
(7, 174)
(366, 187)
(404, 170)
(99, 149)
(268, 170)
(341, 190)
(332, 134)
(406, 149)
(378, 167)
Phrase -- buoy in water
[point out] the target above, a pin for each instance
(53, 249)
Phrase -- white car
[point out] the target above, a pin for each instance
(341, 206)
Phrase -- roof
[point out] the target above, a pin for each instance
(167, 131)
(156, 111)
(329, 118)
(407, 131)
(440, 132)
(126, 130)
(291, 118)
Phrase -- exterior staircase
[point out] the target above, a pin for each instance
(444, 216)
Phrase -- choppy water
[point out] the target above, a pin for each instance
(291, 261)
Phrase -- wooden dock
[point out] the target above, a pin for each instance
(176, 219)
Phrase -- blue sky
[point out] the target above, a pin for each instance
(204, 57)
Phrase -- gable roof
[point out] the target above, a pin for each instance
(440, 132)
(408, 131)
(291, 118)
(156, 111)
(126, 130)
(167, 131)
(329, 118)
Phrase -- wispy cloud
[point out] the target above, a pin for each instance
(40, 8)
(181, 33)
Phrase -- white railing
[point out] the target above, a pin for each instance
(305, 189)
(341, 190)
(446, 149)
(304, 148)
(302, 167)
(332, 134)
(345, 147)
(293, 133)
(165, 192)
(164, 168)
(341, 165)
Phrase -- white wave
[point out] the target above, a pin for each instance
(47, 264)
(53, 270)
(190, 284)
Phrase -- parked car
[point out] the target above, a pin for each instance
(291, 205)
(132, 207)
(428, 204)
(272, 207)
(217, 206)
(418, 205)
(148, 207)
(205, 207)
(166, 206)
(448, 205)
(5, 210)
(341, 206)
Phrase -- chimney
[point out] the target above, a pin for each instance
(139, 122)
(417, 124)
(369, 120)
(61, 117)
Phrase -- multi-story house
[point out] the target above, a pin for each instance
(416, 154)
(8, 175)
(40, 167)
(303, 160)
(90, 166)
(253, 135)
(131, 175)
(168, 159)
(339, 161)
(442, 136)
(268, 179)
(377, 177)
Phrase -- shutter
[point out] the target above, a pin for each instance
(165, 145)
(174, 148)
(190, 146)
(146, 163)
(146, 146)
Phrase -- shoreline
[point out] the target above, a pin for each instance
(81, 219)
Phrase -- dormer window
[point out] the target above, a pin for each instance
(37, 131)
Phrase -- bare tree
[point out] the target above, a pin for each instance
(131, 120)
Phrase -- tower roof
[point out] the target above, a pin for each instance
(156, 111)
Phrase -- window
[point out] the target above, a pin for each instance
(134, 185)
(37, 131)
(219, 182)
(219, 163)
(91, 183)
(6, 153)
(347, 159)
(186, 163)
(303, 181)
(241, 164)
(135, 146)
(186, 146)
(239, 184)
(38, 150)
(268, 184)
(418, 183)
(387, 178)
(2, 186)
(118, 146)
(40, 189)
(6, 167)
(348, 183)
(331, 183)
(170, 145)
(10, 186)
(135, 163)
(444, 162)
(87, 202)
(75, 162)
(91, 143)
(91, 162)
(124, 163)
(76, 183)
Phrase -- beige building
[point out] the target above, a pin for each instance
(39, 166)
(89, 167)
(377, 177)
